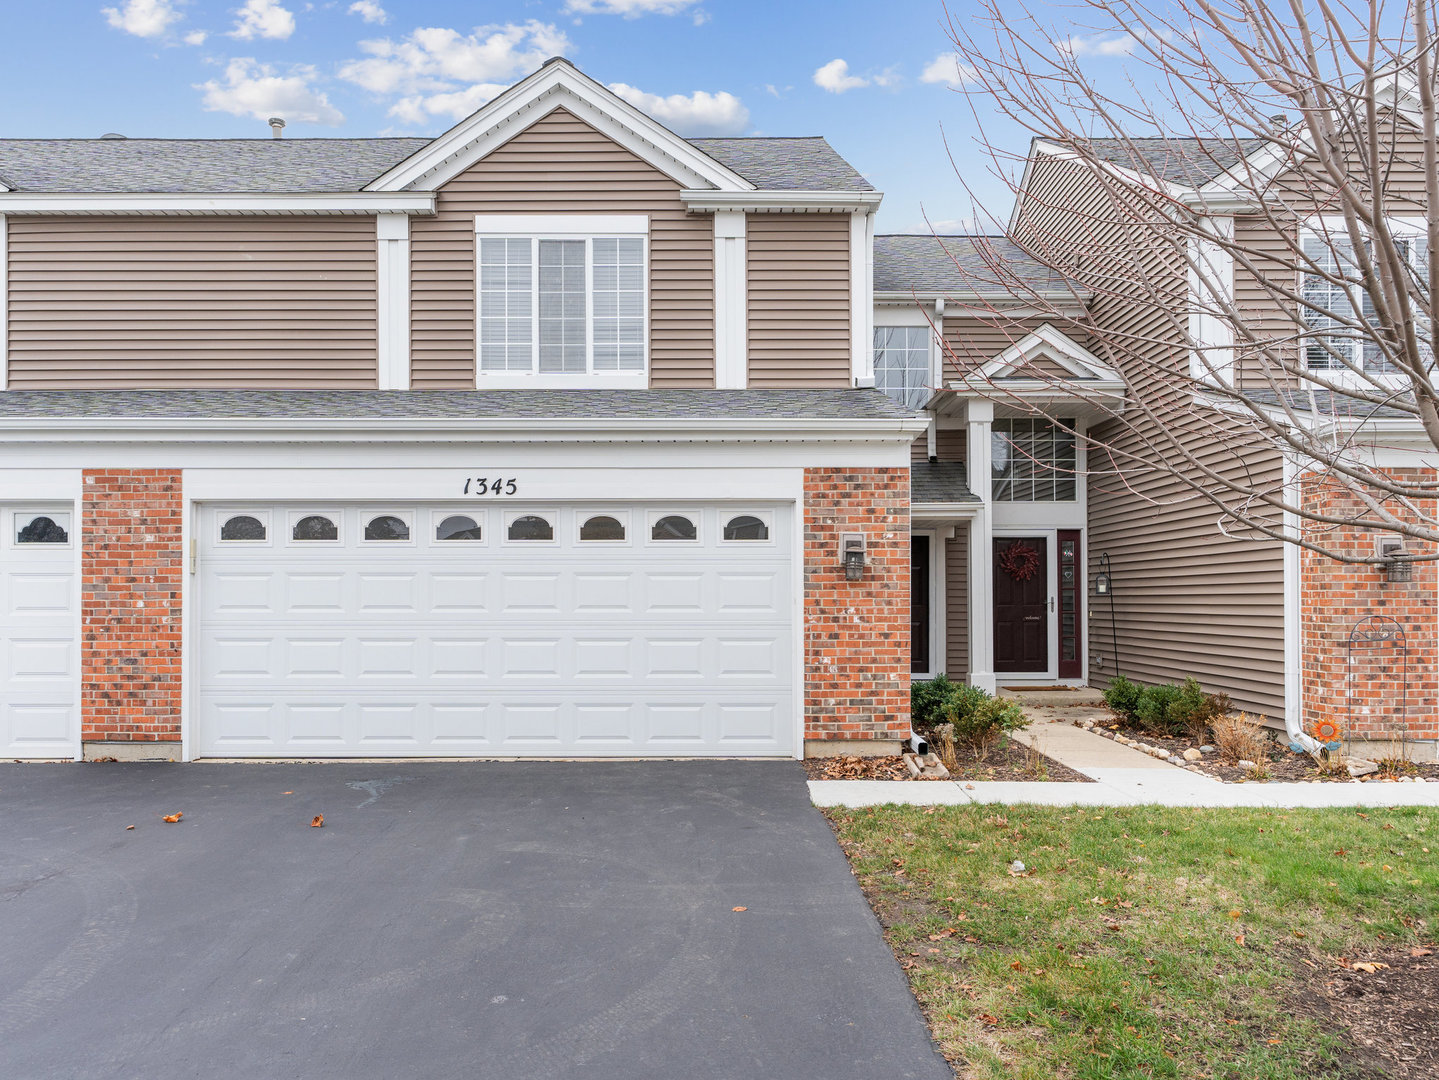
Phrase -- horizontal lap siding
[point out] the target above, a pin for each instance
(1187, 600)
(971, 341)
(951, 444)
(799, 309)
(561, 165)
(134, 303)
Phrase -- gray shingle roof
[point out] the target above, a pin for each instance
(940, 482)
(774, 164)
(940, 265)
(1190, 162)
(1328, 403)
(479, 405)
(336, 165)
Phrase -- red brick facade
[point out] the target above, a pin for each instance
(133, 564)
(856, 633)
(1368, 686)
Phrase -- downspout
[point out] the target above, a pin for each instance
(1299, 742)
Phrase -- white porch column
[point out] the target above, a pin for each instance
(981, 544)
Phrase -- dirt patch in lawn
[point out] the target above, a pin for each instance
(1389, 1004)
(1006, 761)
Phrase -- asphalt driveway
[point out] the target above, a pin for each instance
(506, 920)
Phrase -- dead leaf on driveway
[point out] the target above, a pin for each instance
(317, 821)
(170, 819)
(739, 909)
(128, 827)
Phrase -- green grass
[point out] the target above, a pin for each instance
(1142, 942)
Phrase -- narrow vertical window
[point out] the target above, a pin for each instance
(562, 306)
(619, 304)
(506, 293)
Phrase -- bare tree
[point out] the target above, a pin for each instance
(1244, 225)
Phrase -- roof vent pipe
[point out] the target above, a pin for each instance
(112, 135)
(277, 125)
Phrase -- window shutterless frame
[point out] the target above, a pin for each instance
(533, 229)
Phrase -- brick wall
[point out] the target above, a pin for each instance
(856, 634)
(1371, 689)
(133, 565)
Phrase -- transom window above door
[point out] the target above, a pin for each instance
(563, 300)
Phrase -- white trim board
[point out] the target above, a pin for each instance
(392, 272)
(184, 203)
(731, 283)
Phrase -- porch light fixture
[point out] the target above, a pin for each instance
(1397, 565)
(1101, 584)
(852, 556)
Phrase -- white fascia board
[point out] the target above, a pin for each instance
(557, 83)
(955, 511)
(769, 202)
(467, 430)
(1063, 303)
(181, 204)
(1120, 172)
(1047, 341)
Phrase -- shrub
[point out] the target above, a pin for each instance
(1241, 738)
(1194, 712)
(1122, 697)
(980, 727)
(934, 702)
(1151, 714)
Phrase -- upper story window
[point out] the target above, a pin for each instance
(1033, 460)
(1332, 285)
(563, 299)
(901, 363)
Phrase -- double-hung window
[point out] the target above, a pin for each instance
(901, 363)
(563, 300)
(1331, 290)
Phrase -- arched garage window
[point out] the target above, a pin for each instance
(531, 527)
(746, 527)
(243, 527)
(602, 527)
(42, 529)
(458, 527)
(387, 527)
(315, 527)
(674, 527)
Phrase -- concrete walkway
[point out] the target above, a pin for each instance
(1123, 777)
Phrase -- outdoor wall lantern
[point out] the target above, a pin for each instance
(1397, 566)
(1101, 584)
(851, 555)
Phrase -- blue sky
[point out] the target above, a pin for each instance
(862, 74)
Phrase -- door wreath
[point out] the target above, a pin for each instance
(1019, 561)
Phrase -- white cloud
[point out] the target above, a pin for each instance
(143, 18)
(700, 113)
(370, 11)
(1099, 45)
(835, 78)
(946, 68)
(630, 9)
(196, 37)
(436, 71)
(263, 19)
(251, 88)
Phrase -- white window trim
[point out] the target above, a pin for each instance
(1325, 228)
(587, 227)
(1211, 285)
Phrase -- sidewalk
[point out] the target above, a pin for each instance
(1123, 777)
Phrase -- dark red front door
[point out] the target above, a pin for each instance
(919, 605)
(1021, 604)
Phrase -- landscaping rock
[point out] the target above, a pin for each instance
(929, 765)
(1247, 766)
(1162, 754)
(1192, 754)
(1209, 749)
(1361, 766)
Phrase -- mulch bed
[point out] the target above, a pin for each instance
(1007, 761)
(1389, 1003)
(1282, 764)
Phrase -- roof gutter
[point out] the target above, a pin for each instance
(186, 203)
(704, 201)
(461, 429)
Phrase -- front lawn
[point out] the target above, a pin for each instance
(1153, 942)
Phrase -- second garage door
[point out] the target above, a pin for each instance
(528, 630)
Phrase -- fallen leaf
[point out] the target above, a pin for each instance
(172, 818)
(990, 1020)
(1299, 933)
(1235, 913)
(739, 909)
(1369, 968)
(1018, 965)
(1239, 940)
(128, 827)
(287, 793)
(317, 821)
(1416, 953)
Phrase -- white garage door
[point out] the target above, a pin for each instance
(39, 660)
(525, 630)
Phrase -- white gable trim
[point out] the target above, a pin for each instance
(1047, 343)
(557, 84)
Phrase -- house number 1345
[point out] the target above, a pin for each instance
(483, 485)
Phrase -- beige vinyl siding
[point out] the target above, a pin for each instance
(970, 341)
(148, 302)
(1187, 599)
(951, 444)
(956, 604)
(561, 165)
(799, 310)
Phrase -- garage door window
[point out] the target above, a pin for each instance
(458, 527)
(674, 527)
(314, 527)
(746, 527)
(387, 527)
(602, 527)
(242, 527)
(42, 529)
(531, 527)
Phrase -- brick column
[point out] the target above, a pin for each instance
(133, 564)
(1369, 687)
(856, 633)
